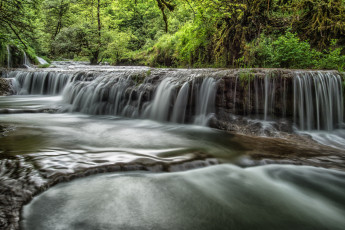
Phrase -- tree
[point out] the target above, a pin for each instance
(55, 15)
(16, 19)
(319, 21)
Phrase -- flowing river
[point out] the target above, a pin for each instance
(163, 167)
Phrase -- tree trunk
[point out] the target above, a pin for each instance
(99, 20)
(95, 54)
(94, 57)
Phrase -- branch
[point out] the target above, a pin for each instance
(15, 32)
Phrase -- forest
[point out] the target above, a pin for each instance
(177, 33)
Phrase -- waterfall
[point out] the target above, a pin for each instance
(26, 61)
(8, 56)
(180, 107)
(269, 96)
(259, 88)
(117, 94)
(107, 94)
(162, 102)
(41, 61)
(318, 101)
(205, 101)
(44, 83)
(311, 100)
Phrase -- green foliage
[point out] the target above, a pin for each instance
(30, 52)
(162, 53)
(117, 47)
(193, 44)
(217, 33)
(332, 58)
(245, 78)
(288, 51)
(17, 21)
(3, 53)
(69, 42)
(319, 21)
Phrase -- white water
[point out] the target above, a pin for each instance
(41, 61)
(318, 102)
(269, 96)
(118, 94)
(185, 96)
(37, 145)
(180, 107)
(161, 104)
(26, 61)
(333, 138)
(205, 101)
(39, 83)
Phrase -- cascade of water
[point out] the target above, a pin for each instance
(270, 92)
(179, 111)
(162, 102)
(98, 95)
(284, 97)
(259, 95)
(248, 94)
(26, 61)
(267, 91)
(318, 101)
(49, 83)
(8, 56)
(41, 61)
(205, 101)
(118, 95)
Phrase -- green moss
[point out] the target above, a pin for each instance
(139, 78)
(46, 59)
(246, 77)
(148, 73)
(30, 52)
(44, 66)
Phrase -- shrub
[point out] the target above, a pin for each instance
(332, 58)
(288, 51)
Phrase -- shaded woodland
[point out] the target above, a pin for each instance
(177, 33)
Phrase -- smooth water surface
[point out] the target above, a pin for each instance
(217, 197)
(65, 141)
